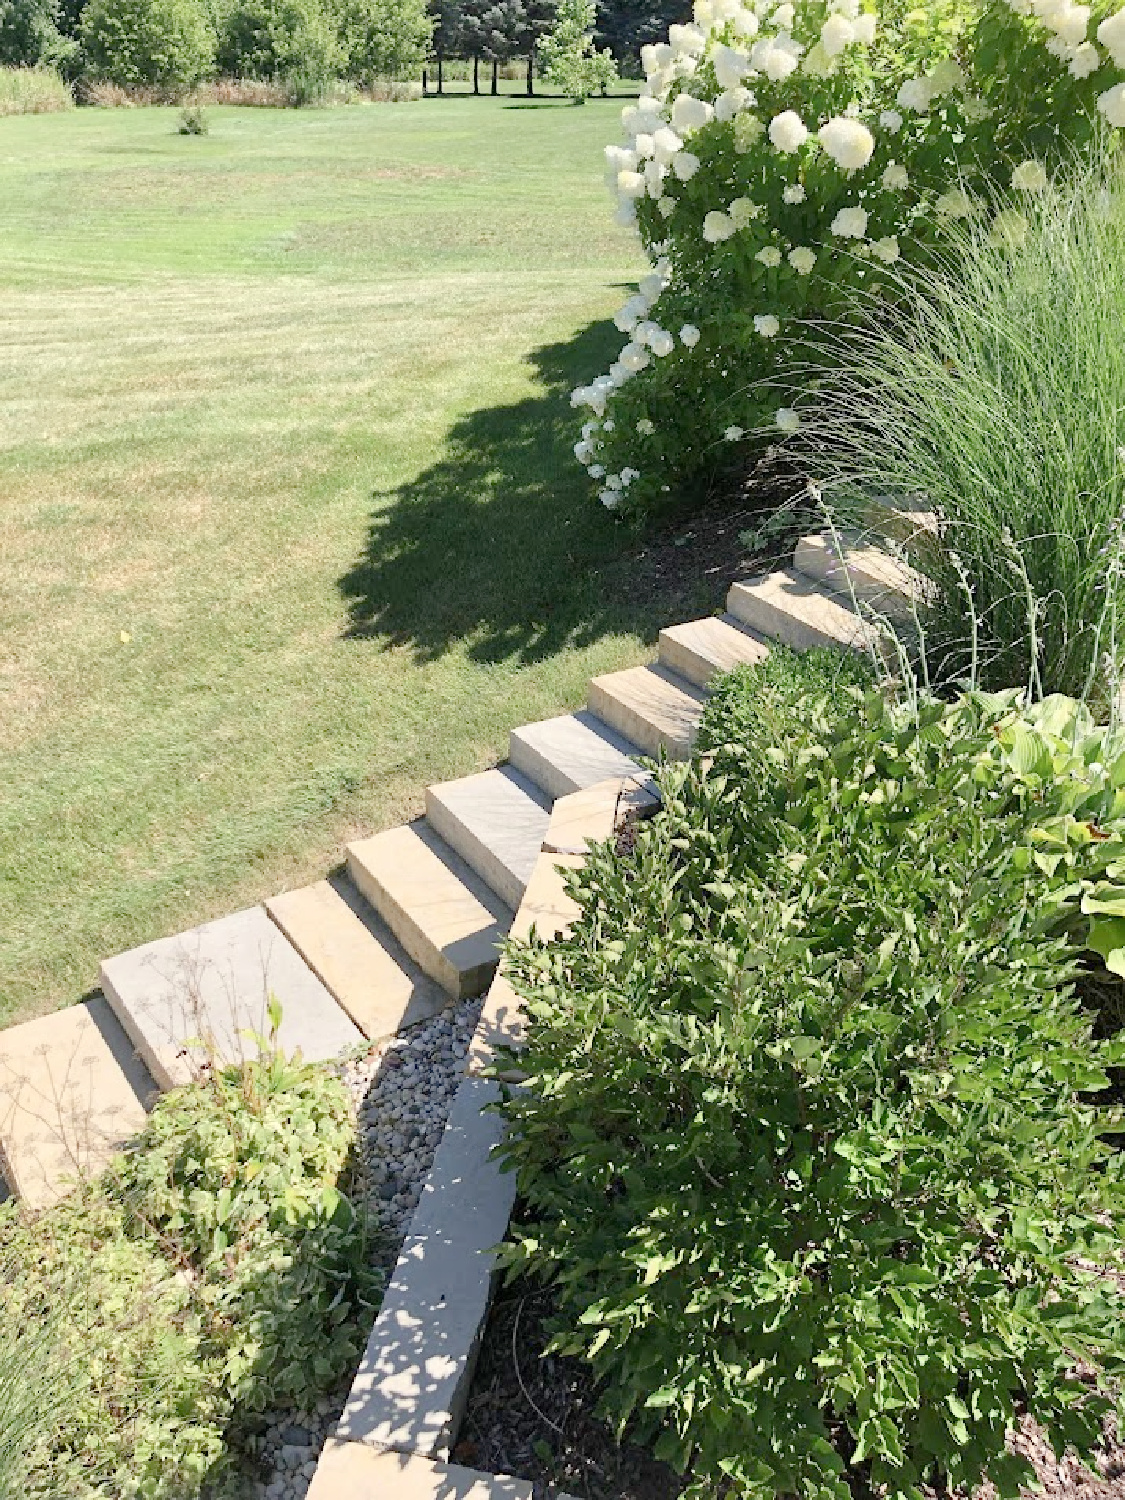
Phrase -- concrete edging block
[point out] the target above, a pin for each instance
(410, 1391)
(353, 1471)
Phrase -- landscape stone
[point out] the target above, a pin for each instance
(186, 999)
(701, 648)
(651, 706)
(592, 816)
(357, 957)
(72, 1092)
(441, 911)
(412, 1384)
(564, 755)
(496, 822)
(792, 609)
(352, 1471)
(876, 579)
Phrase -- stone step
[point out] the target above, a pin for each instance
(651, 706)
(354, 1471)
(357, 956)
(846, 567)
(791, 608)
(72, 1092)
(566, 754)
(496, 821)
(701, 648)
(202, 996)
(439, 909)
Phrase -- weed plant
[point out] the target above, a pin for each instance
(994, 399)
(33, 91)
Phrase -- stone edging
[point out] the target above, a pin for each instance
(406, 1403)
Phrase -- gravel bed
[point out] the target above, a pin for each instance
(402, 1090)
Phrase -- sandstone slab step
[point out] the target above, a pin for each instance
(699, 649)
(653, 707)
(440, 910)
(410, 1391)
(353, 1471)
(846, 567)
(72, 1092)
(564, 755)
(496, 822)
(185, 999)
(792, 609)
(357, 957)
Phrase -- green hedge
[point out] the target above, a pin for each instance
(147, 43)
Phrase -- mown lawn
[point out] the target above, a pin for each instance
(289, 524)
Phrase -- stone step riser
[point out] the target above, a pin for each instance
(650, 706)
(566, 754)
(496, 822)
(789, 608)
(697, 651)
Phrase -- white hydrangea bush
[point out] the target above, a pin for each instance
(779, 158)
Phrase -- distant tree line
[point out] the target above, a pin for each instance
(494, 32)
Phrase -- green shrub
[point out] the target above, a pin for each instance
(384, 38)
(30, 36)
(164, 44)
(999, 396)
(32, 91)
(280, 39)
(805, 1146)
(571, 62)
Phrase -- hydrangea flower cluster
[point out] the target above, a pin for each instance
(779, 156)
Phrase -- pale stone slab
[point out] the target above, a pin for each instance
(699, 649)
(353, 1471)
(187, 999)
(411, 1388)
(652, 706)
(502, 1023)
(496, 822)
(72, 1092)
(441, 911)
(876, 579)
(357, 957)
(592, 816)
(791, 608)
(564, 755)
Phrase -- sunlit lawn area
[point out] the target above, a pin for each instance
(289, 524)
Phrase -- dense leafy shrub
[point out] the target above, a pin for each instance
(998, 393)
(384, 38)
(218, 1269)
(279, 39)
(30, 36)
(782, 157)
(805, 1145)
(155, 43)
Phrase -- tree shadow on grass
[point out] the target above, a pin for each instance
(502, 544)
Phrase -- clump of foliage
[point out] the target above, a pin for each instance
(280, 39)
(193, 120)
(568, 56)
(997, 392)
(806, 1144)
(782, 158)
(33, 91)
(166, 44)
(386, 40)
(217, 1270)
(31, 35)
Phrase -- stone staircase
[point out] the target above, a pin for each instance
(417, 920)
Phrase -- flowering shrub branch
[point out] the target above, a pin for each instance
(779, 156)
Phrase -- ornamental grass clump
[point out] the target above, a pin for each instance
(807, 1146)
(996, 393)
(782, 156)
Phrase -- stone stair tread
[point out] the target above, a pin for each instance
(846, 566)
(72, 1092)
(357, 957)
(798, 612)
(655, 708)
(699, 649)
(444, 915)
(496, 821)
(186, 999)
(573, 751)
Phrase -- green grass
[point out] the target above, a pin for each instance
(289, 522)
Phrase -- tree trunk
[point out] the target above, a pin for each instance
(423, 83)
(495, 76)
(476, 74)
(440, 80)
(531, 72)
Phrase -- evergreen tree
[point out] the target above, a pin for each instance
(535, 21)
(445, 42)
(625, 26)
(489, 30)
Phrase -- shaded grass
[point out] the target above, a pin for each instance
(288, 521)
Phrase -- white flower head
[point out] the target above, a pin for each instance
(955, 204)
(848, 142)
(836, 34)
(717, 227)
(1029, 177)
(886, 250)
(634, 357)
(732, 102)
(596, 471)
(730, 66)
(1112, 105)
(915, 94)
(732, 434)
(1111, 34)
(788, 131)
(802, 259)
(784, 16)
(850, 223)
(769, 256)
(767, 326)
(787, 419)
(685, 165)
(611, 499)
(891, 120)
(661, 343)
(665, 144)
(1069, 23)
(747, 130)
(794, 193)
(743, 211)
(945, 78)
(895, 178)
(1009, 230)
(646, 427)
(666, 207)
(1086, 60)
(689, 335)
(864, 27)
(690, 113)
